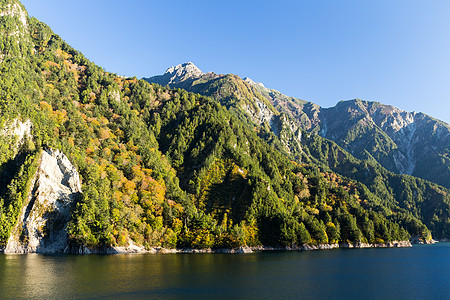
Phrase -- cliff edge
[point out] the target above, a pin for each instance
(41, 227)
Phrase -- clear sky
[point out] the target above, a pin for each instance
(395, 52)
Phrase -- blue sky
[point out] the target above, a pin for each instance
(394, 52)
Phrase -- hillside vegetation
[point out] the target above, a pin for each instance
(303, 131)
(165, 167)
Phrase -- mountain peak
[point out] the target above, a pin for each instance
(182, 72)
(177, 74)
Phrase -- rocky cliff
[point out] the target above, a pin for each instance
(402, 142)
(41, 226)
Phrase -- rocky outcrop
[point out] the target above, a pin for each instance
(256, 84)
(19, 130)
(183, 72)
(307, 247)
(289, 134)
(177, 74)
(420, 240)
(392, 244)
(130, 248)
(114, 95)
(14, 9)
(259, 112)
(136, 249)
(41, 227)
(18, 29)
(283, 125)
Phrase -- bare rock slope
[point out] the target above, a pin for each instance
(41, 226)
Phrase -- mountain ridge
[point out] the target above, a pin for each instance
(396, 138)
(303, 126)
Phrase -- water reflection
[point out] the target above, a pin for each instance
(34, 276)
(371, 273)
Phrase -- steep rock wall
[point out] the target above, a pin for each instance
(42, 224)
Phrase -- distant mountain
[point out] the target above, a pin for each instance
(402, 142)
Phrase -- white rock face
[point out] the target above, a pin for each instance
(259, 84)
(131, 248)
(284, 128)
(260, 115)
(15, 10)
(19, 129)
(406, 140)
(401, 127)
(183, 72)
(42, 224)
(263, 113)
(115, 95)
(289, 133)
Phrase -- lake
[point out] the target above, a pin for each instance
(421, 272)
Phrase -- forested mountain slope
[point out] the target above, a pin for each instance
(300, 126)
(161, 166)
(402, 142)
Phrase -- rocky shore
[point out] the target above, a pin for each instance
(133, 248)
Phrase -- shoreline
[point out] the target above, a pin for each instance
(135, 249)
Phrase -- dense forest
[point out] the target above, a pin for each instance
(165, 167)
(404, 198)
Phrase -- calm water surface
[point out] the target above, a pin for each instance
(421, 272)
